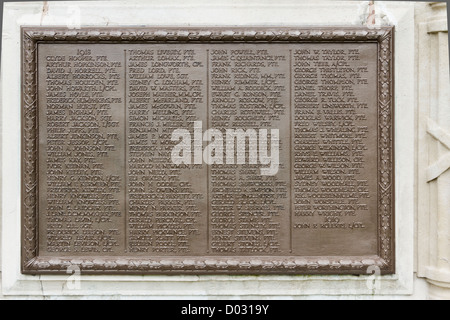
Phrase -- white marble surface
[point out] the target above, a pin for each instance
(208, 13)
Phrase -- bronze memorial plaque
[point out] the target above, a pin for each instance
(208, 151)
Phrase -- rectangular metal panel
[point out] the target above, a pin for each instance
(208, 151)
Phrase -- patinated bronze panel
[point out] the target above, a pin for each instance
(208, 151)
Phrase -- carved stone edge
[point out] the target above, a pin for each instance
(33, 264)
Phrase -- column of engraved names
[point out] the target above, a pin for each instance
(330, 127)
(164, 93)
(249, 91)
(80, 128)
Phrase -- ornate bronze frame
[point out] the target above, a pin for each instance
(32, 263)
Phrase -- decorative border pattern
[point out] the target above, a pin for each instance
(386, 161)
(33, 264)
